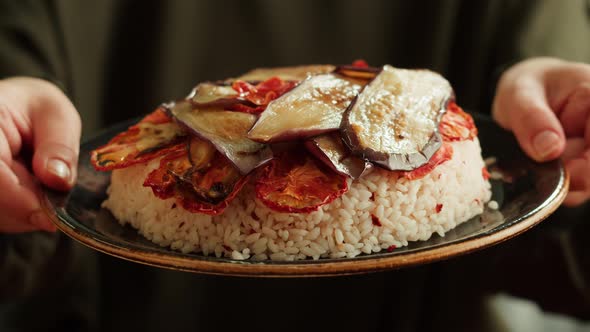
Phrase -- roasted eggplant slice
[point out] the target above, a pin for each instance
(360, 72)
(226, 130)
(298, 183)
(153, 136)
(296, 73)
(207, 187)
(394, 121)
(209, 92)
(330, 149)
(313, 107)
(200, 152)
(241, 96)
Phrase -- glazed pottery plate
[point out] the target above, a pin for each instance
(527, 194)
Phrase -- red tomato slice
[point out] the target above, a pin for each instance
(456, 125)
(298, 183)
(360, 63)
(153, 136)
(443, 154)
(262, 93)
(204, 187)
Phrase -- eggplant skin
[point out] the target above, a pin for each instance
(394, 121)
(330, 149)
(226, 130)
(313, 107)
(366, 73)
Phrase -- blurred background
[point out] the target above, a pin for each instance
(133, 55)
(121, 59)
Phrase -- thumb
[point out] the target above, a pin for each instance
(521, 106)
(56, 131)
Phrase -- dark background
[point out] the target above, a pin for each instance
(120, 59)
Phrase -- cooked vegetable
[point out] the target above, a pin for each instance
(330, 149)
(296, 73)
(200, 152)
(239, 95)
(226, 130)
(315, 106)
(153, 136)
(208, 92)
(360, 72)
(207, 186)
(443, 154)
(456, 125)
(261, 94)
(394, 120)
(296, 182)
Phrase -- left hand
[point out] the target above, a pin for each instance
(546, 103)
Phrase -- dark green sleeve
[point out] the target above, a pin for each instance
(47, 283)
(29, 46)
(24, 258)
(31, 43)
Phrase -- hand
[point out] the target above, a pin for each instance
(546, 103)
(34, 114)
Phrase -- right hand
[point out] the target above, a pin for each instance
(546, 103)
(36, 114)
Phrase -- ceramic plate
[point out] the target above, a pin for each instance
(532, 192)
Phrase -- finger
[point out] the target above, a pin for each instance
(521, 106)
(576, 198)
(579, 190)
(578, 170)
(29, 183)
(9, 129)
(15, 226)
(575, 114)
(56, 138)
(19, 203)
(574, 147)
(5, 153)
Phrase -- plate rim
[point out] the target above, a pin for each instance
(317, 268)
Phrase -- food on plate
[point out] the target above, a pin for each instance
(394, 121)
(227, 130)
(330, 149)
(303, 162)
(313, 107)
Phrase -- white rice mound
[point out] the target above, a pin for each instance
(407, 211)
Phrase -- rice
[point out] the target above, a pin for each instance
(380, 211)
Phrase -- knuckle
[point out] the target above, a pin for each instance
(4, 113)
(582, 91)
(528, 114)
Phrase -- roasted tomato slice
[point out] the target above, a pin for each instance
(456, 125)
(298, 183)
(261, 94)
(200, 178)
(241, 96)
(153, 136)
(358, 69)
(440, 156)
(361, 63)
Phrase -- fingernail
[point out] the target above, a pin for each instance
(59, 169)
(40, 220)
(545, 144)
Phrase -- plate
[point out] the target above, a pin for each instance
(534, 192)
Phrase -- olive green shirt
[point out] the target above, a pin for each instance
(119, 59)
